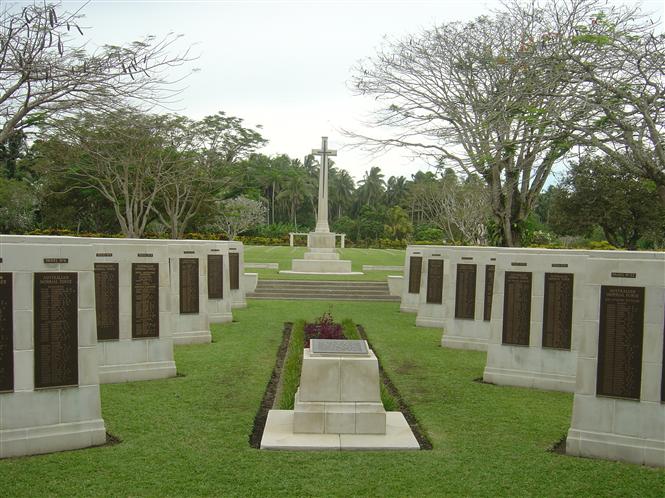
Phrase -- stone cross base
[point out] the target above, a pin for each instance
(321, 240)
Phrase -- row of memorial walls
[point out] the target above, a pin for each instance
(189, 291)
(467, 297)
(236, 274)
(133, 329)
(435, 266)
(413, 267)
(219, 282)
(49, 382)
(132, 304)
(537, 312)
(619, 402)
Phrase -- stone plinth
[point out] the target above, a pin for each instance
(339, 391)
(318, 266)
(338, 405)
(321, 240)
(395, 285)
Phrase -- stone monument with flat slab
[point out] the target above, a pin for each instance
(321, 257)
(338, 404)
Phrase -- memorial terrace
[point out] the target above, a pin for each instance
(188, 435)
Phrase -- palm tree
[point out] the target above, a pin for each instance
(371, 187)
(341, 190)
(396, 190)
(297, 187)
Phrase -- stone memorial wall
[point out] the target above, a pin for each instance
(219, 283)
(466, 301)
(236, 272)
(538, 310)
(435, 271)
(48, 356)
(413, 264)
(143, 347)
(618, 409)
(188, 264)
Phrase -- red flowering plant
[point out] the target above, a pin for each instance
(323, 328)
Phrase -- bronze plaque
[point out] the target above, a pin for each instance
(234, 263)
(6, 333)
(558, 310)
(465, 292)
(215, 276)
(517, 308)
(620, 341)
(106, 301)
(145, 300)
(662, 369)
(415, 271)
(489, 290)
(189, 285)
(56, 329)
(435, 281)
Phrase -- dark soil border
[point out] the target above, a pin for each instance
(271, 389)
(418, 431)
(560, 446)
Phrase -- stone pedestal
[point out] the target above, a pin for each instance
(321, 257)
(339, 394)
(338, 405)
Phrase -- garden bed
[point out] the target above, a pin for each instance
(281, 389)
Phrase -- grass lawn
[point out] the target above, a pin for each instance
(189, 435)
(359, 257)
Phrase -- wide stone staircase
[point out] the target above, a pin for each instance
(322, 290)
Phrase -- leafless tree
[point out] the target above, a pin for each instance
(461, 210)
(483, 97)
(44, 71)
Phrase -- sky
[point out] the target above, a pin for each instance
(285, 65)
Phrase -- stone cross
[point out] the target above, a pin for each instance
(322, 215)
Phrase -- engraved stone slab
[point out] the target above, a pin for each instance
(517, 308)
(620, 341)
(234, 271)
(435, 281)
(107, 292)
(558, 310)
(338, 347)
(6, 333)
(145, 300)
(489, 290)
(215, 276)
(465, 291)
(56, 329)
(415, 270)
(189, 285)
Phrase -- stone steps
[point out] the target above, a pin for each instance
(322, 290)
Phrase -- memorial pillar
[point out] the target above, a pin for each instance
(322, 214)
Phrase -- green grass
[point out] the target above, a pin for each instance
(292, 366)
(359, 257)
(189, 435)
